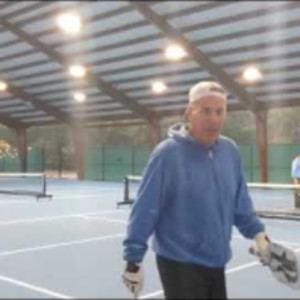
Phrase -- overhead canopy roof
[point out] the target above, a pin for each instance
(122, 45)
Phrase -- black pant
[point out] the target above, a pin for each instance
(297, 199)
(190, 281)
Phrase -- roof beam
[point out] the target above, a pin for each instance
(20, 93)
(265, 45)
(26, 9)
(177, 112)
(41, 16)
(119, 96)
(226, 20)
(180, 112)
(259, 30)
(120, 11)
(262, 46)
(268, 57)
(38, 74)
(201, 58)
(190, 10)
(264, 29)
(92, 119)
(7, 4)
(248, 15)
(285, 90)
(101, 15)
(289, 102)
(91, 78)
(278, 81)
(196, 71)
(10, 122)
(115, 124)
(52, 111)
(77, 54)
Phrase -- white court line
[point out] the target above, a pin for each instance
(15, 201)
(34, 288)
(65, 244)
(105, 219)
(151, 295)
(85, 196)
(83, 189)
(84, 192)
(45, 219)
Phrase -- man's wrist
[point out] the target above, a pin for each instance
(132, 267)
(262, 235)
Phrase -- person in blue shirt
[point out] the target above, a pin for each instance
(296, 179)
(191, 194)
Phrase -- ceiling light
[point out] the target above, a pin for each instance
(252, 74)
(3, 86)
(158, 87)
(77, 71)
(175, 52)
(69, 23)
(79, 97)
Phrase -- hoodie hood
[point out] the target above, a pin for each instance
(179, 131)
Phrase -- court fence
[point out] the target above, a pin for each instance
(113, 163)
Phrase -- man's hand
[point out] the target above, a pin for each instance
(261, 249)
(133, 278)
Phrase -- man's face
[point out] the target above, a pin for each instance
(206, 117)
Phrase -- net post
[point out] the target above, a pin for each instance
(39, 192)
(102, 163)
(126, 199)
(126, 189)
(44, 183)
(132, 160)
(297, 198)
(43, 159)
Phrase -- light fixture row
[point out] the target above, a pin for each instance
(71, 23)
(3, 86)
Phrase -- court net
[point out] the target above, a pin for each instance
(24, 184)
(271, 200)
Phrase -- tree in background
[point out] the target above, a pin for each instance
(56, 140)
(284, 125)
(121, 135)
(240, 126)
(5, 134)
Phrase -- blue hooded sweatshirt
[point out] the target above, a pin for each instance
(189, 199)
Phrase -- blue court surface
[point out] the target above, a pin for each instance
(71, 247)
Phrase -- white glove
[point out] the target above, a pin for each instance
(262, 247)
(133, 278)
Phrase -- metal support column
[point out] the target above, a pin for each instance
(79, 137)
(21, 137)
(262, 143)
(155, 132)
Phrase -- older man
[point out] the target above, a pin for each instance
(192, 193)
